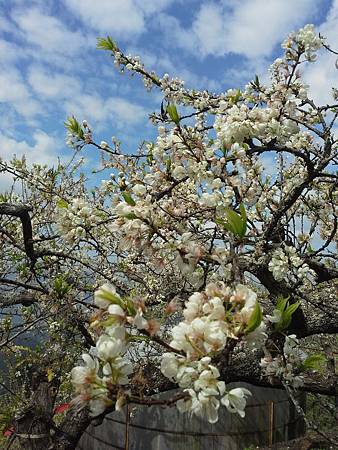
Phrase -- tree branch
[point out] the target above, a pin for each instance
(22, 212)
(19, 299)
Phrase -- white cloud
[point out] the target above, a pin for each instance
(12, 87)
(196, 81)
(120, 18)
(116, 111)
(126, 112)
(257, 26)
(6, 182)
(249, 27)
(321, 77)
(111, 16)
(10, 52)
(151, 6)
(5, 25)
(42, 151)
(210, 39)
(53, 85)
(47, 32)
(14, 91)
(329, 27)
(176, 35)
(88, 106)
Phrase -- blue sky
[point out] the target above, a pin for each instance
(50, 68)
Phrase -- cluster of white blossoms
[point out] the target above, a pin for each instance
(286, 262)
(211, 318)
(107, 367)
(307, 39)
(239, 122)
(132, 64)
(205, 393)
(132, 216)
(104, 369)
(76, 218)
(73, 140)
(288, 367)
(90, 387)
(242, 123)
(171, 86)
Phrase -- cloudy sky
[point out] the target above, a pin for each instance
(50, 68)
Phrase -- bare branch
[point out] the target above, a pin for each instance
(22, 212)
(19, 299)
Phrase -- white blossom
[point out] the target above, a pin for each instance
(235, 400)
(83, 375)
(104, 296)
(109, 348)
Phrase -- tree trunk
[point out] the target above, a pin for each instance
(33, 426)
(35, 429)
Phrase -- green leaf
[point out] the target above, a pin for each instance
(310, 249)
(173, 114)
(50, 374)
(74, 127)
(130, 306)
(313, 362)
(61, 286)
(244, 217)
(62, 203)
(235, 98)
(256, 83)
(255, 319)
(130, 216)
(106, 44)
(128, 198)
(150, 155)
(234, 222)
(168, 165)
(287, 314)
(4, 197)
(282, 303)
(292, 308)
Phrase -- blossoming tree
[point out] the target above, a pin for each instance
(189, 267)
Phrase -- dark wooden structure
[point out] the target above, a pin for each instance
(270, 418)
